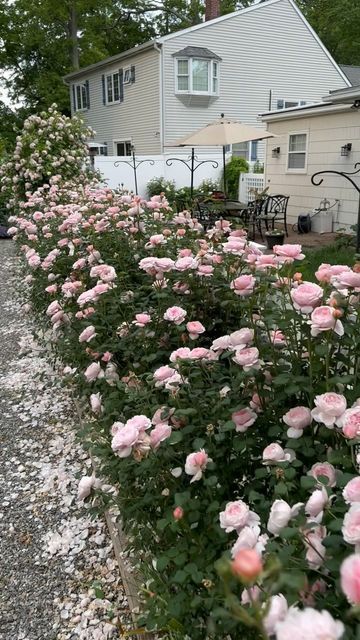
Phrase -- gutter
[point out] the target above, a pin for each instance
(304, 112)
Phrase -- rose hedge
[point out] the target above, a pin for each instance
(224, 398)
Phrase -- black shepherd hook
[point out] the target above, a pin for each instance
(345, 175)
(192, 168)
(134, 165)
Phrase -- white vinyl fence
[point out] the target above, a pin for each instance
(248, 181)
(123, 174)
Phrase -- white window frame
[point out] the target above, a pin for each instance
(83, 106)
(299, 103)
(211, 62)
(124, 141)
(127, 76)
(111, 75)
(288, 152)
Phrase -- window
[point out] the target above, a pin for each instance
(297, 154)
(112, 88)
(287, 104)
(123, 147)
(127, 76)
(197, 76)
(241, 150)
(81, 101)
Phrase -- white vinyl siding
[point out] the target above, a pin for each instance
(297, 152)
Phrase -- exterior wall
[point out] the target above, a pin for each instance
(268, 49)
(327, 134)
(137, 118)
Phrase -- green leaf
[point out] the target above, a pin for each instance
(307, 482)
(180, 577)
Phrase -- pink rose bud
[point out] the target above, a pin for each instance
(247, 565)
(178, 513)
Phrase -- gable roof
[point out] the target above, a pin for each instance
(198, 52)
(155, 44)
(352, 73)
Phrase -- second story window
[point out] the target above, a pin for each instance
(197, 71)
(287, 104)
(112, 88)
(81, 96)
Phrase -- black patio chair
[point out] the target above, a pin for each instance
(251, 214)
(205, 214)
(275, 210)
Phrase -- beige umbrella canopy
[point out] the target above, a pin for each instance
(222, 133)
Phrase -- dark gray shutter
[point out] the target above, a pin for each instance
(87, 89)
(132, 71)
(121, 84)
(103, 89)
(73, 97)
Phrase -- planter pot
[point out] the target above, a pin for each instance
(271, 241)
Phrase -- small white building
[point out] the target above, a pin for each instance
(241, 64)
(312, 138)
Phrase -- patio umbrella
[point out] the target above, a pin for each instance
(222, 133)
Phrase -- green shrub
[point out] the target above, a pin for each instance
(233, 169)
(160, 185)
(258, 167)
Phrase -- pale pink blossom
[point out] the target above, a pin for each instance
(95, 403)
(140, 422)
(52, 288)
(205, 270)
(326, 271)
(84, 487)
(315, 550)
(306, 297)
(93, 372)
(185, 263)
(124, 440)
(274, 453)
(351, 525)
(280, 515)
(247, 564)
(250, 538)
(183, 353)
(347, 280)
(241, 338)
(288, 252)
(105, 272)
(329, 407)
(351, 491)
(323, 319)
(309, 624)
(243, 419)
(161, 432)
(195, 328)
(221, 343)
(87, 334)
(247, 358)
(277, 338)
(316, 504)
(350, 578)
(236, 516)
(141, 319)
(326, 470)
(196, 463)
(276, 612)
(175, 314)
(297, 419)
(162, 374)
(349, 422)
(243, 285)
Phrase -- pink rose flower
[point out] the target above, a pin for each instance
(88, 334)
(236, 516)
(124, 440)
(323, 319)
(351, 491)
(195, 328)
(185, 263)
(105, 272)
(205, 270)
(52, 288)
(297, 419)
(276, 613)
(221, 343)
(95, 403)
(178, 513)
(93, 372)
(243, 285)
(315, 550)
(161, 432)
(274, 453)
(306, 297)
(164, 264)
(351, 525)
(196, 463)
(162, 374)
(175, 314)
(247, 565)
(183, 353)
(309, 623)
(329, 407)
(250, 538)
(280, 515)
(326, 271)
(140, 422)
(350, 578)
(243, 419)
(317, 503)
(241, 338)
(247, 358)
(84, 487)
(347, 280)
(141, 319)
(349, 422)
(200, 353)
(326, 470)
(288, 252)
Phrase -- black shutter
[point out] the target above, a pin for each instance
(87, 89)
(121, 85)
(73, 97)
(103, 89)
(132, 71)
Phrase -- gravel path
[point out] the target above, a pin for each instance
(58, 576)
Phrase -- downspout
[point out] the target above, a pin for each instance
(161, 95)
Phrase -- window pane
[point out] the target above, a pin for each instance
(215, 85)
(254, 150)
(183, 67)
(183, 83)
(116, 86)
(291, 103)
(83, 95)
(109, 88)
(200, 75)
(128, 148)
(297, 142)
(215, 69)
(241, 149)
(296, 161)
(120, 149)
(78, 96)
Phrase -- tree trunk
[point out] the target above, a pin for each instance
(73, 36)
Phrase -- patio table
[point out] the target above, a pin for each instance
(229, 207)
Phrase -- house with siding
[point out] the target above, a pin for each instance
(260, 58)
(312, 138)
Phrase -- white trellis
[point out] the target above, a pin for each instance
(248, 181)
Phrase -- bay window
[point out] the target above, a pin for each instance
(197, 76)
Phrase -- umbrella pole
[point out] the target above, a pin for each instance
(192, 172)
(224, 165)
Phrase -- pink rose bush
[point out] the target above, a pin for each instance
(241, 494)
